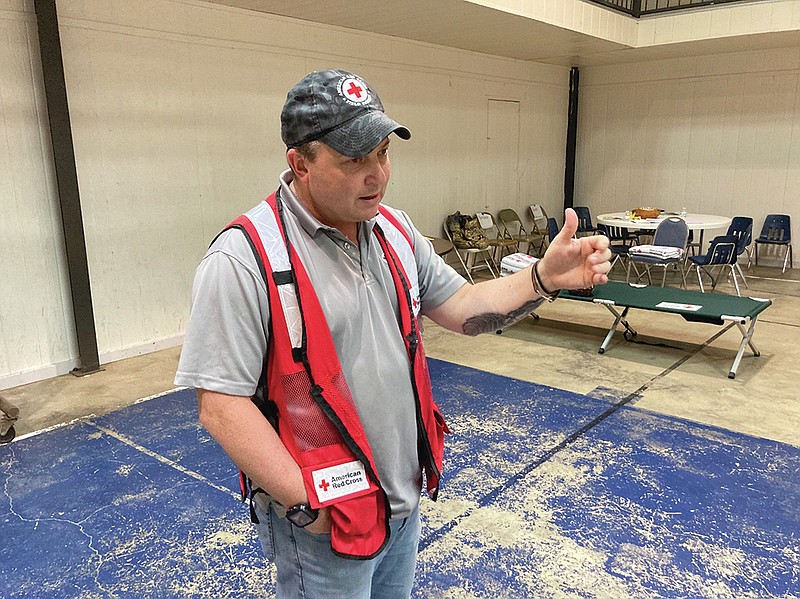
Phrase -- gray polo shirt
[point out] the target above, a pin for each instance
(226, 340)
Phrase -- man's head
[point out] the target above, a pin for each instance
(339, 109)
(337, 139)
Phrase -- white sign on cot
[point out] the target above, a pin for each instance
(674, 306)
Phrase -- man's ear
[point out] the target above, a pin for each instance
(297, 162)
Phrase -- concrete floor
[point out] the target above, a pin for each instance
(560, 349)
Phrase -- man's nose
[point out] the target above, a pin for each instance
(377, 171)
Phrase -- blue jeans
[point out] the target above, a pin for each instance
(307, 568)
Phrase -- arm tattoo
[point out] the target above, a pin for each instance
(492, 321)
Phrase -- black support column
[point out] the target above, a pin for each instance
(67, 182)
(572, 139)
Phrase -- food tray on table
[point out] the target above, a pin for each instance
(646, 212)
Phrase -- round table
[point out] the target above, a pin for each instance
(695, 222)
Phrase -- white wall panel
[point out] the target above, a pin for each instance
(718, 135)
(175, 113)
(36, 336)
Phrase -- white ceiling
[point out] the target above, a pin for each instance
(469, 26)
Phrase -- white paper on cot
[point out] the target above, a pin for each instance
(674, 306)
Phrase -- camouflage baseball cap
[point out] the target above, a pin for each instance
(339, 109)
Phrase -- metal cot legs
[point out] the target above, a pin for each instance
(618, 317)
(747, 339)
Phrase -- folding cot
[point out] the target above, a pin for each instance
(694, 306)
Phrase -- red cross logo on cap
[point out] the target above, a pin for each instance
(354, 90)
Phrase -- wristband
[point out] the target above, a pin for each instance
(539, 287)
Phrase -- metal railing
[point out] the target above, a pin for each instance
(637, 8)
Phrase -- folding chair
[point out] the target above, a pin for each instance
(777, 230)
(721, 252)
(672, 234)
(514, 229)
(468, 257)
(500, 245)
(539, 224)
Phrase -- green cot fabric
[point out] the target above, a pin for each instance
(712, 305)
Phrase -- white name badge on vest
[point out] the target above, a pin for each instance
(338, 481)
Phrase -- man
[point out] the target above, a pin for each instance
(304, 347)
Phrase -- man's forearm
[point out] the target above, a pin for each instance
(490, 322)
(488, 306)
(250, 441)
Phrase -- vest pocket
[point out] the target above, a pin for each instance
(359, 526)
(328, 483)
(357, 506)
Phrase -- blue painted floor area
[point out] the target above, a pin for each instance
(140, 503)
(641, 505)
(85, 514)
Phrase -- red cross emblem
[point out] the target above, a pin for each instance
(415, 303)
(324, 485)
(354, 90)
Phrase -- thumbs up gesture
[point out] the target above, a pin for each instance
(575, 263)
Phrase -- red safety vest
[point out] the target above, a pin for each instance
(316, 418)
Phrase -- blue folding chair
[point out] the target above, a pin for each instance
(777, 230)
(721, 252)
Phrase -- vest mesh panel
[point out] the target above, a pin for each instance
(312, 429)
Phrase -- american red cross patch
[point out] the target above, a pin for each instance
(354, 91)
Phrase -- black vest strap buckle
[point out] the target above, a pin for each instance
(283, 277)
(299, 354)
